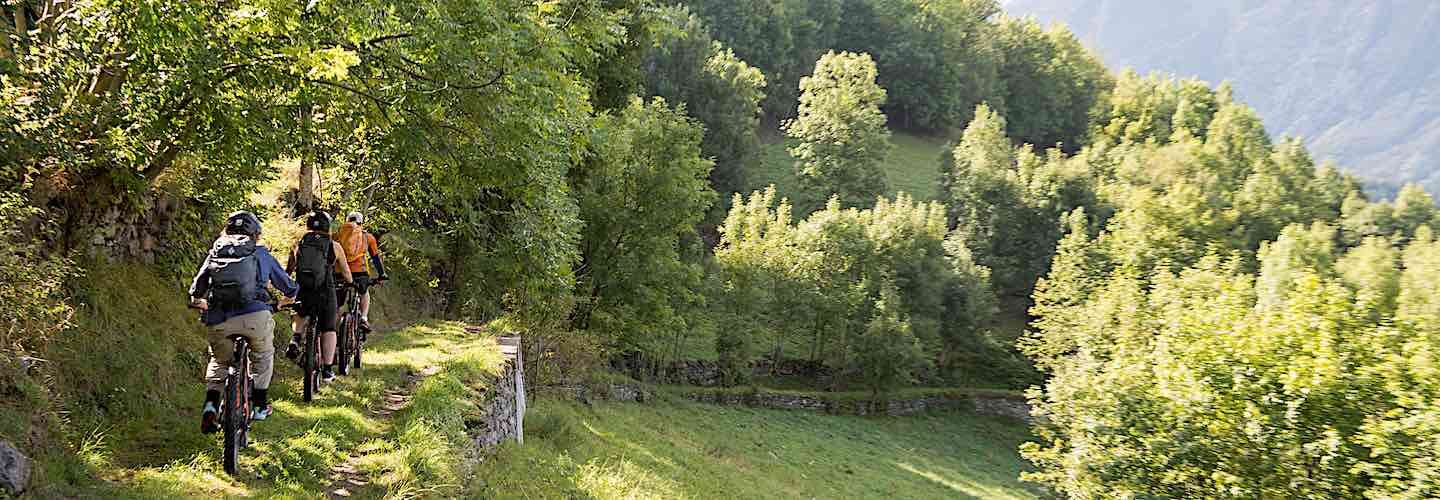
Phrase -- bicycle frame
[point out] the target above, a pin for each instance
(309, 355)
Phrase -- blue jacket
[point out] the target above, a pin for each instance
(270, 271)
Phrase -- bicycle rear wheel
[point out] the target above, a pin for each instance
(359, 347)
(242, 363)
(235, 415)
(227, 421)
(311, 364)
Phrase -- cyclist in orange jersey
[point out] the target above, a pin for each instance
(362, 252)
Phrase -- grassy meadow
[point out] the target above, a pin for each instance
(912, 167)
(679, 449)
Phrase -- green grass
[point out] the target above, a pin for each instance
(912, 167)
(678, 449)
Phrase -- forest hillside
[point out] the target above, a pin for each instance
(1354, 79)
(862, 209)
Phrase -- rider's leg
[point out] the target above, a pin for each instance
(325, 323)
(327, 348)
(214, 380)
(327, 355)
(262, 354)
(259, 328)
(365, 306)
(297, 325)
(221, 352)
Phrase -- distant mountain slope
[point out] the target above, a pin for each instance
(1359, 80)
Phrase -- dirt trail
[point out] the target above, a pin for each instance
(346, 479)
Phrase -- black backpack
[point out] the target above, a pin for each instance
(313, 261)
(234, 271)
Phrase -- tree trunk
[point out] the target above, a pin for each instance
(22, 24)
(819, 332)
(306, 201)
(6, 50)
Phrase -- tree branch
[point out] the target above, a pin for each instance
(381, 104)
(167, 154)
(373, 42)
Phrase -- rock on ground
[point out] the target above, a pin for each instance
(14, 469)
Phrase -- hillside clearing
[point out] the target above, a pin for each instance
(678, 449)
(912, 167)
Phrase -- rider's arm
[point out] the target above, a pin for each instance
(201, 283)
(290, 261)
(374, 249)
(277, 275)
(341, 263)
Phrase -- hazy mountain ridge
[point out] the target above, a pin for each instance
(1360, 81)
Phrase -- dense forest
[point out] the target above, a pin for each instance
(1206, 312)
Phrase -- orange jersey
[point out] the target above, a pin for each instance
(358, 244)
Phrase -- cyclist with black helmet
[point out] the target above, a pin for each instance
(317, 261)
(232, 290)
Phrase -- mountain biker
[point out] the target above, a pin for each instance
(231, 289)
(317, 262)
(359, 243)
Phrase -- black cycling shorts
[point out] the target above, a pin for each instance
(318, 304)
(362, 284)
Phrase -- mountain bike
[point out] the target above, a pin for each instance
(235, 408)
(235, 405)
(309, 356)
(349, 342)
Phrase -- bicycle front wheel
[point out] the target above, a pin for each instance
(343, 343)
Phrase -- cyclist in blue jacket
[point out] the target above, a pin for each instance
(248, 316)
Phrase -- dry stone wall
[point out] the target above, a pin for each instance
(628, 392)
(502, 415)
(982, 403)
(707, 373)
(139, 234)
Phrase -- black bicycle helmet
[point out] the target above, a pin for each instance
(242, 222)
(318, 220)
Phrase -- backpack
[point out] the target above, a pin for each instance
(234, 272)
(313, 260)
(353, 240)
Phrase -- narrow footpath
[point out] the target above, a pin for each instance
(393, 428)
(347, 479)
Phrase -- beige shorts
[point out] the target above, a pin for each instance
(259, 327)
